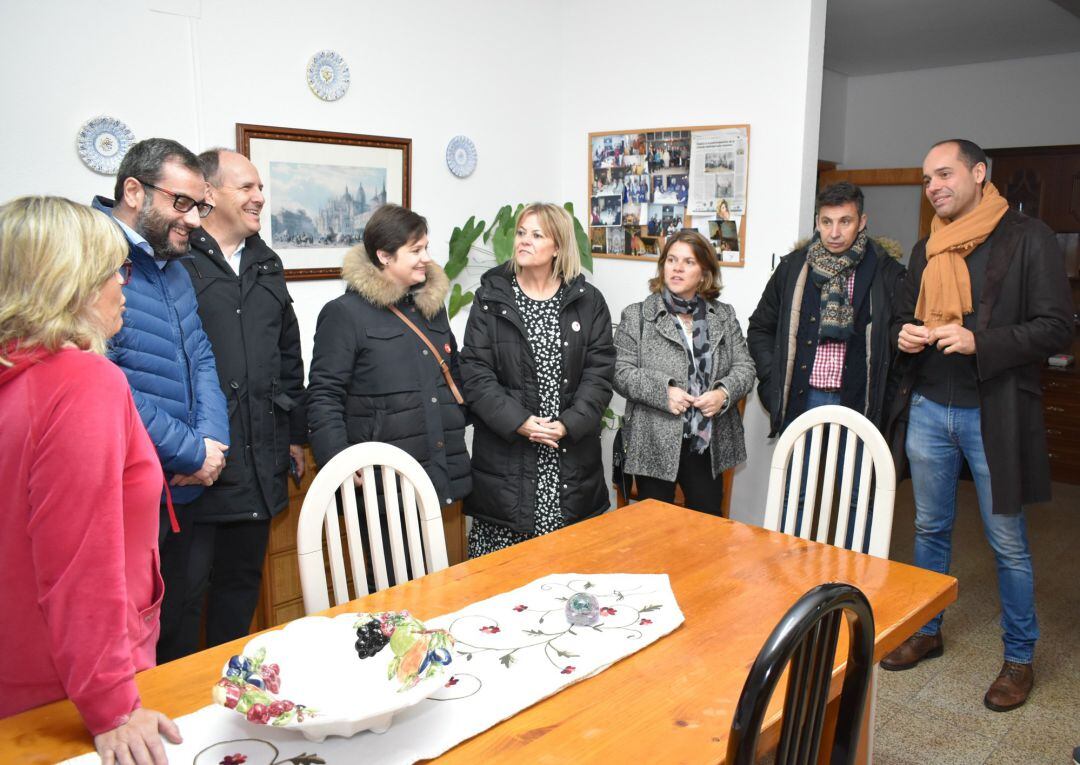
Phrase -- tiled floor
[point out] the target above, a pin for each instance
(934, 712)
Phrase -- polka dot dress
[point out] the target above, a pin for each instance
(541, 319)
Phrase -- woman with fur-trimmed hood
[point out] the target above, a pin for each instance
(372, 377)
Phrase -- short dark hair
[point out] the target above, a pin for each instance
(210, 162)
(391, 227)
(145, 159)
(970, 152)
(704, 254)
(839, 194)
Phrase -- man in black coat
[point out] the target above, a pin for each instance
(985, 303)
(805, 355)
(247, 312)
(819, 335)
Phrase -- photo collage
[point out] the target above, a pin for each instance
(646, 185)
(640, 189)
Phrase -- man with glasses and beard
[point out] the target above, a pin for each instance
(160, 199)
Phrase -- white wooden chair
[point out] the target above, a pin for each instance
(876, 458)
(319, 514)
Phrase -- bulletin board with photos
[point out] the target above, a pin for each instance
(645, 185)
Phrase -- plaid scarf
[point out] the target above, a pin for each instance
(830, 274)
(699, 365)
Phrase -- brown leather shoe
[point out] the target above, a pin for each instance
(912, 651)
(1011, 688)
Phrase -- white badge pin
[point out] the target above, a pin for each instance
(576, 326)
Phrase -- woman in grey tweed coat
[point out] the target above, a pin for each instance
(681, 365)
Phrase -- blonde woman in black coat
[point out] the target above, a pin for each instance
(537, 366)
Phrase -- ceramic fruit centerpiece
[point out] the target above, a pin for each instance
(335, 675)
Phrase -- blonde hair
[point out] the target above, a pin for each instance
(55, 257)
(557, 223)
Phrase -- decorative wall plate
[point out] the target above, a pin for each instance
(461, 156)
(310, 676)
(102, 143)
(328, 75)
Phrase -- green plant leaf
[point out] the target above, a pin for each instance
(461, 241)
(458, 300)
(611, 420)
(500, 218)
(507, 660)
(502, 241)
(582, 237)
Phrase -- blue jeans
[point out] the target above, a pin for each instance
(938, 437)
(814, 399)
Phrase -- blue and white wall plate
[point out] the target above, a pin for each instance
(102, 143)
(461, 156)
(328, 75)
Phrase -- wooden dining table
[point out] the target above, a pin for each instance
(671, 702)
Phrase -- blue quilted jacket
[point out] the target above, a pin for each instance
(169, 364)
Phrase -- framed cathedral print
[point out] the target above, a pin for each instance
(321, 188)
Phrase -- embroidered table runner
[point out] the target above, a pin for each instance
(512, 651)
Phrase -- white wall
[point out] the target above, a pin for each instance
(833, 116)
(893, 119)
(893, 212)
(767, 72)
(453, 68)
(520, 80)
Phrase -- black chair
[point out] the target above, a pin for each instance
(807, 637)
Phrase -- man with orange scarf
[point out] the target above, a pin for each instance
(986, 301)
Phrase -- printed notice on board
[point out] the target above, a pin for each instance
(718, 172)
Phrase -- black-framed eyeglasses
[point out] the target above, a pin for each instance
(124, 272)
(181, 202)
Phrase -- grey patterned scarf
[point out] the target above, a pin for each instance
(698, 368)
(830, 275)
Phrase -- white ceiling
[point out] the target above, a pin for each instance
(875, 36)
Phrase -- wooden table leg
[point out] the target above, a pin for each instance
(457, 549)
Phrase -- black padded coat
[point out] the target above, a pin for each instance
(252, 328)
(502, 392)
(373, 379)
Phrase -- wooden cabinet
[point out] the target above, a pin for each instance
(1061, 410)
(281, 599)
(1043, 182)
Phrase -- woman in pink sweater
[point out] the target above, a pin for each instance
(79, 584)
